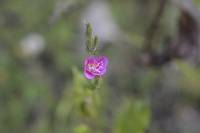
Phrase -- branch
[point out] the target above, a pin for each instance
(150, 34)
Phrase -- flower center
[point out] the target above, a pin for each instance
(95, 67)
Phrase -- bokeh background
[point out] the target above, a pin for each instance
(153, 80)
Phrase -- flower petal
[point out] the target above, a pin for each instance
(88, 75)
(105, 63)
(99, 64)
(105, 60)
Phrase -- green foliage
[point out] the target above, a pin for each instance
(133, 117)
(81, 104)
(87, 100)
(82, 129)
(197, 3)
(189, 80)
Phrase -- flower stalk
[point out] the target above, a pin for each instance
(94, 66)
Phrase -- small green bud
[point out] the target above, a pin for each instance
(91, 41)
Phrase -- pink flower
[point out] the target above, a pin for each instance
(95, 66)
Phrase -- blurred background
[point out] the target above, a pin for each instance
(152, 84)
